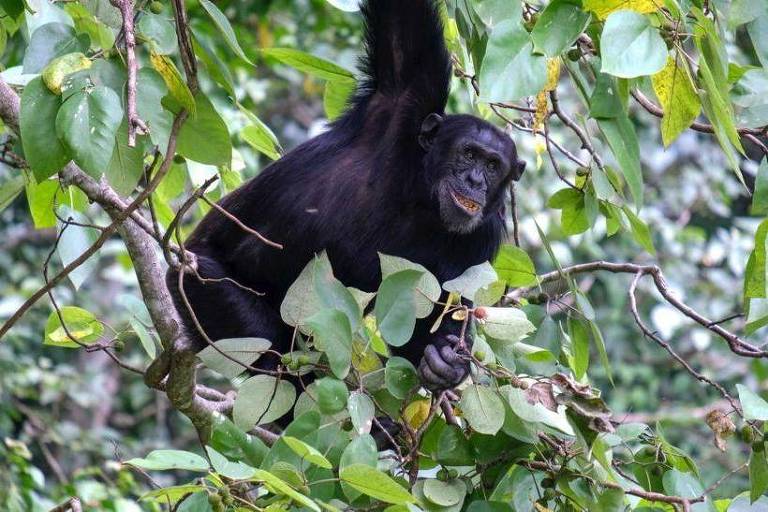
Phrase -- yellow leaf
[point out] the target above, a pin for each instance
(553, 74)
(176, 85)
(541, 111)
(539, 146)
(364, 359)
(58, 69)
(674, 88)
(416, 413)
(602, 8)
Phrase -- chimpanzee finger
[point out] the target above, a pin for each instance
(429, 379)
(438, 365)
(450, 356)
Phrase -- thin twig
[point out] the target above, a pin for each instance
(135, 124)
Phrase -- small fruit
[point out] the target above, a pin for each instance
(118, 345)
(452, 473)
(748, 434)
(481, 313)
(178, 159)
(574, 54)
(548, 483)
(480, 355)
(304, 360)
(287, 359)
(156, 7)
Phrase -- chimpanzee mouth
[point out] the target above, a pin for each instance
(466, 204)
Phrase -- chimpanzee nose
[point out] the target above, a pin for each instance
(475, 177)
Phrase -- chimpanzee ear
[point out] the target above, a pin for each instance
(518, 170)
(429, 129)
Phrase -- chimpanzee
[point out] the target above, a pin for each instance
(394, 175)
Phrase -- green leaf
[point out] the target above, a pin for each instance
(336, 97)
(73, 242)
(196, 502)
(507, 324)
(362, 450)
(10, 189)
(222, 23)
(510, 69)
(678, 98)
(244, 351)
(515, 267)
(333, 335)
(750, 93)
(606, 101)
(171, 495)
(754, 407)
(334, 295)
(159, 31)
(758, 471)
(50, 41)
(472, 280)
(444, 493)
(37, 123)
(278, 486)
(395, 309)
(492, 12)
(361, 412)
(146, 340)
(262, 399)
(126, 167)
(226, 468)
(260, 140)
(235, 444)
(535, 411)
(80, 325)
(453, 448)
(580, 346)
(331, 395)
(630, 46)
(12, 8)
(307, 452)
(684, 485)
(204, 137)
(640, 231)
(713, 71)
(163, 460)
(621, 136)
(102, 36)
(42, 198)
(87, 123)
(758, 33)
(400, 377)
(150, 91)
(217, 69)
(374, 483)
(558, 26)
(483, 409)
(301, 300)
(309, 64)
(755, 274)
(427, 290)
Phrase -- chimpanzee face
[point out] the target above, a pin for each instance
(471, 162)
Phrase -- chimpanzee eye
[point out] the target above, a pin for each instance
(469, 153)
(493, 165)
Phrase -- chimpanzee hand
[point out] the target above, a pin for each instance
(444, 365)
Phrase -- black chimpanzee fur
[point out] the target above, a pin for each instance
(393, 175)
